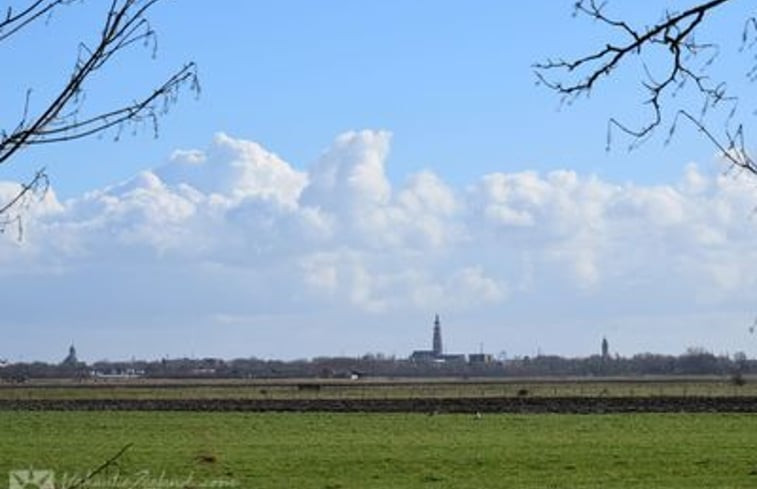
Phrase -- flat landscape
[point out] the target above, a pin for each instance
(379, 244)
(443, 433)
(326, 450)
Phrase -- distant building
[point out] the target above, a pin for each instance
(356, 374)
(436, 344)
(203, 371)
(436, 353)
(423, 356)
(605, 349)
(70, 359)
(453, 357)
(117, 373)
(480, 358)
(436, 350)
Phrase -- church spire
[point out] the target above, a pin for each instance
(71, 357)
(437, 344)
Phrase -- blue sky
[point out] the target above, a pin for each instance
(452, 87)
(453, 83)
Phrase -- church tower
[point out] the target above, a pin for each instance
(71, 359)
(437, 344)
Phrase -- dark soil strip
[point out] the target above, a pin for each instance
(584, 405)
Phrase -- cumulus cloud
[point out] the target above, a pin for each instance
(235, 169)
(234, 230)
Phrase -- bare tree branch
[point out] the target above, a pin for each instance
(675, 34)
(15, 21)
(10, 212)
(40, 180)
(62, 119)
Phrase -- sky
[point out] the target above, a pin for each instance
(350, 169)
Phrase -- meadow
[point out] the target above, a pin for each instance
(319, 450)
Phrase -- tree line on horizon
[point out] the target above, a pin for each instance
(695, 361)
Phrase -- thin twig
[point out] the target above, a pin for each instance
(124, 25)
(92, 473)
(675, 33)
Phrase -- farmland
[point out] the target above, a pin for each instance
(320, 450)
(443, 433)
(608, 395)
(378, 388)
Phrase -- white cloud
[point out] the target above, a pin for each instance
(235, 169)
(234, 231)
(349, 177)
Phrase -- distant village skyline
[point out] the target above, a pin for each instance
(436, 354)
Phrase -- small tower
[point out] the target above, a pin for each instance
(605, 349)
(437, 343)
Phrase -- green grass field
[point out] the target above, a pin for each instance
(312, 450)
